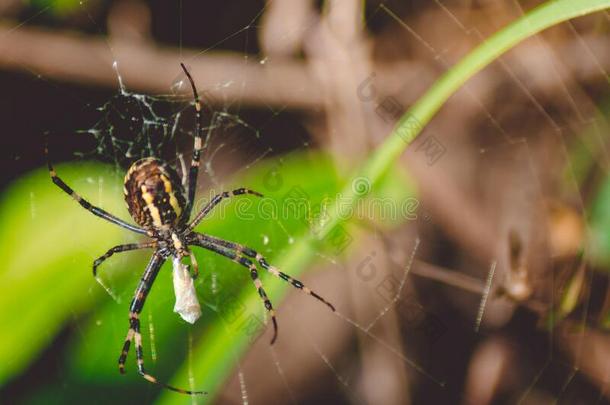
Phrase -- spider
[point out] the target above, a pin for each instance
(158, 202)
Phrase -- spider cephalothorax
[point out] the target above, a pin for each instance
(158, 203)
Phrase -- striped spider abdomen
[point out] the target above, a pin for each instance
(154, 194)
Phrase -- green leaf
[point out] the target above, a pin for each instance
(49, 244)
(59, 7)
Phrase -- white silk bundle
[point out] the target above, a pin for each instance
(187, 304)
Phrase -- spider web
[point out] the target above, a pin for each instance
(134, 126)
(131, 125)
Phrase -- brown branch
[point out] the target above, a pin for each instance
(147, 68)
(230, 77)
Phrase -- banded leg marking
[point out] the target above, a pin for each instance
(197, 147)
(84, 203)
(261, 292)
(216, 200)
(119, 249)
(263, 262)
(238, 258)
(134, 325)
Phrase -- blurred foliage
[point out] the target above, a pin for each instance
(586, 162)
(58, 7)
(572, 291)
(66, 239)
(599, 224)
(46, 279)
(599, 235)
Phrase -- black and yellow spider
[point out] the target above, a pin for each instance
(157, 201)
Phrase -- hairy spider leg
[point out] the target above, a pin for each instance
(152, 269)
(84, 203)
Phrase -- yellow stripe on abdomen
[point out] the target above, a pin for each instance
(173, 201)
(152, 208)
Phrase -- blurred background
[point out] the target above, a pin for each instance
(475, 273)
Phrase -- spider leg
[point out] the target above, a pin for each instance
(152, 269)
(84, 203)
(262, 261)
(238, 258)
(194, 265)
(194, 169)
(110, 252)
(119, 249)
(216, 200)
(197, 147)
(183, 174)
